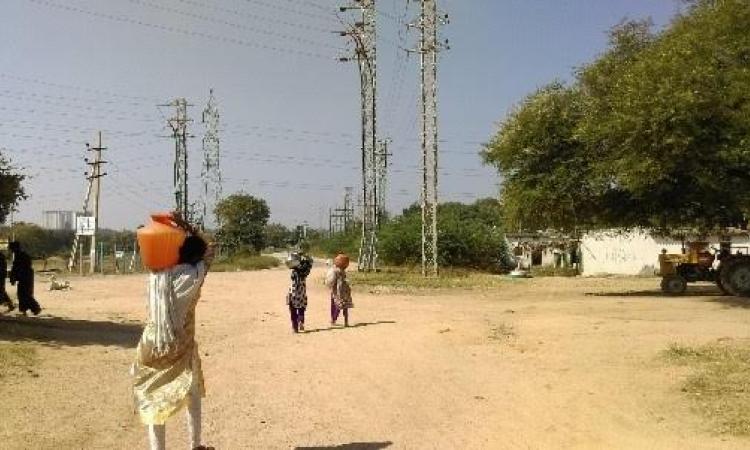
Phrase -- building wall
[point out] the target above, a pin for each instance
(59, 220)
(632, 253)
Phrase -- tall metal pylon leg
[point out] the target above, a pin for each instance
(429, 46)
(178, 125)
(364, 36)
(211, 170)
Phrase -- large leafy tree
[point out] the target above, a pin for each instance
(277, 235)
(543, 164)
(658, 135)
(11, 188)
(243, 219)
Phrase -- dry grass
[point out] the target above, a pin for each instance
(16, 359)
(245, 262)
(397, 279)
(719, 384)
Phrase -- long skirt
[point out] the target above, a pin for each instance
(26, 300)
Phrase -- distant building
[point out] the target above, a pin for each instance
(59, 220)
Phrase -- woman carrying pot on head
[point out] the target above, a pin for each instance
(167, 372)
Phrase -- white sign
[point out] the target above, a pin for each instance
(119, 254)
(85, 225)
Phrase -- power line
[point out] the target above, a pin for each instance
(182, 31)
(261, 18)
(69, 86)
(232, 24)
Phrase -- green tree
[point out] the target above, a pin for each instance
(11, 188)
(543, 164)
(470, 236)
(39, 242)
(277, 235)
(673, 124)
(655, 133)
(243, 219)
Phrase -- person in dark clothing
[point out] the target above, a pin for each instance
(4, 298)
(296, 298)
(23, 274)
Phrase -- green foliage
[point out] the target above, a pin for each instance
(39, 242)
(244, 261)
(243, 220)
(470, 237)
(654, 133)
(543, 163)
(11, 189)
(329, 246)
(278, 236)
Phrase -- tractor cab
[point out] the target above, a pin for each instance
(700, 262)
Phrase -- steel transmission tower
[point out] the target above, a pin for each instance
(364, 35)
(211, 170)
(428, 23)
(178, 125)
(381, 167)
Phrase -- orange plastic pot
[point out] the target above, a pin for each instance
(341, 261)
(160, 242)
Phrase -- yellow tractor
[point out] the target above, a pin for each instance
(696, 263)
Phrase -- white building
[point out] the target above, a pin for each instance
(636, 252)
(59, 220)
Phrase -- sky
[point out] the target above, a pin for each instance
(289, 110)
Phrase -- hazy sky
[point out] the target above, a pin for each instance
(290, 111)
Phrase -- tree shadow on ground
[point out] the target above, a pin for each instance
(732, 301)
(62, 331)
(356, 325)
(351, 446)
(692, 291)
(710, 293)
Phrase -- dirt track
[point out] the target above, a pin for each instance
(540, 364)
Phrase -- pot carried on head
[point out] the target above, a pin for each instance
(341, 261)
(160, 242)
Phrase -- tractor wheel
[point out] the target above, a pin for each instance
(736, 277)
(720, 284)
(673, 285)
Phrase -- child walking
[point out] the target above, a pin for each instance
(341, 295)
(296, 298)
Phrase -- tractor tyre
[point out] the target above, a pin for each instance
(735, 277)
(673, 285)
(720, 284)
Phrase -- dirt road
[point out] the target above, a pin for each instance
(539, 364)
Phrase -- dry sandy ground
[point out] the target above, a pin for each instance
(539, 364)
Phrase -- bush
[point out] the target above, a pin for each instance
(469, 237)
(330, 246)
(244, 261)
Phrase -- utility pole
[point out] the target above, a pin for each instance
(211, 170)
(178, 125)
(429, 47)
(364, 36)
(96, 178)
(77, 249)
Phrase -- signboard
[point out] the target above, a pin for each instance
(85, 225)
(119, 254)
